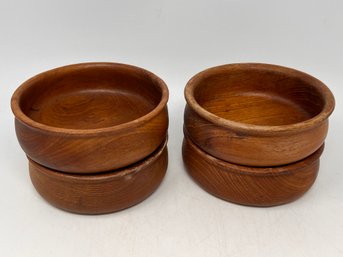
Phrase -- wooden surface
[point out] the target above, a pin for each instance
(90, 117)
(245, 185)
(257, 114)
(175, 40)
(101, 193)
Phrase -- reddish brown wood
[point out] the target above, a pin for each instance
(101, 193)
(257, 114)
(91, 117)
(256, 186)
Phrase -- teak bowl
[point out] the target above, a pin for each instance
(255, 186)
(257, 114)
(90, 117)
(101, 193)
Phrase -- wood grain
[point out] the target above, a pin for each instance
(101, 193)
(255, 186)
(257, 114)
(90, 117)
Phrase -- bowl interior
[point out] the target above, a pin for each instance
(259, 96)
(90, 96)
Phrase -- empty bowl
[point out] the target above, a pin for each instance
(255, 186)
(101, 193)
(257, 114)
(91, 117)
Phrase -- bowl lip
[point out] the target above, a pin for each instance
(21, 116)
(329, 101)
(256, 171)
(105, 176)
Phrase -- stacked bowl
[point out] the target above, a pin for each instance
(254, 133)
(95, 135)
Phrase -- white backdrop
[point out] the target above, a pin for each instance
(174, 39)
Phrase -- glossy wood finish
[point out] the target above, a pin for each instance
(90, 117)
(255, 186)
(257, 114)
(101, 193)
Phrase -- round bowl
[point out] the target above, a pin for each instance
(257, 114)
(101, 193)
(254, 186)
(90, 117)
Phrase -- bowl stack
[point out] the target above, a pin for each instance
(95, 135)
(254, 133)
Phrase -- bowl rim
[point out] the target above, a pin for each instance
(22, 117)
(252, 170)
(329, 101)
(105, 176)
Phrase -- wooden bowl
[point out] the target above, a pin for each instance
(255, 186)
(257, 114)
(101, 193)
(91, 117)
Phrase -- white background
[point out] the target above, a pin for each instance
(175, 40)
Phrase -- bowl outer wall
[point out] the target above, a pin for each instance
(101, 193)
(253, 186)
(252, 149)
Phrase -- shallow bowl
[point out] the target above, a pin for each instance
(101, 193)
(257, 114)
(91, 117)
(254, 186)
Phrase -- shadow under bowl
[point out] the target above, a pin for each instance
(257, 114)
(90, 117)
(101, 193)
(253, 186)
